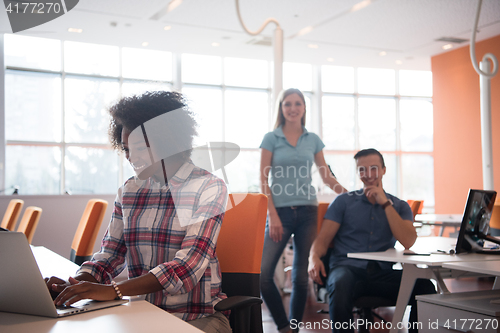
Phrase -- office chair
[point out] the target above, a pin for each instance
(495, 220)
(416, 206)
(29, 222)
(364, 307)
(12, 214)
(239, 249)
(86, 233)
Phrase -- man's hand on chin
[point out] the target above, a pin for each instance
(375, 192)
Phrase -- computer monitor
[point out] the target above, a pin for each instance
(474, 230)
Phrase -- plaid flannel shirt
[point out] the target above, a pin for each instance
(146, 235)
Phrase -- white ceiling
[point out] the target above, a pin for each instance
(405, 29)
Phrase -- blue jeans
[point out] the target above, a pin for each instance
(301, 221)
(347, 283)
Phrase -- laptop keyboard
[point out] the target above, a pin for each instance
(64, 307)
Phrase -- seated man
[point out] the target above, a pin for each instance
(165, 220)
(367, 220)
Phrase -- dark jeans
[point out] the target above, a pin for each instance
(301, 221)
(347, 283)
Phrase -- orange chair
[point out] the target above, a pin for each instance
(239, 249)
(86, 234)
(12, 214)
(29, 222)
(416, 206)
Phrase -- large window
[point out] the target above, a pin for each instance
(232, 107)
(56, 120)
(372, 111)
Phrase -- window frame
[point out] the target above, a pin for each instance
(314, 124)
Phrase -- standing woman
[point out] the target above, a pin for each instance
(289, 153)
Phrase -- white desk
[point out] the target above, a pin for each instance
(483, 267)
(52, 264)
(459, 312)
(136, 316)
(442, 220)
(429, 266)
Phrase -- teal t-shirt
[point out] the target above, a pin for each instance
(291, 168)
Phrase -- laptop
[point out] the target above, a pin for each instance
(475, 227)
(22, 288)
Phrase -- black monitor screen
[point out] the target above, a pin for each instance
(476, 221)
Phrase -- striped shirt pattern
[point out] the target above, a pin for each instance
(146, 235)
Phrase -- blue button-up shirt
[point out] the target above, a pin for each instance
(363, 227)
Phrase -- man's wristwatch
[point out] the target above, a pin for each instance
(387, 204)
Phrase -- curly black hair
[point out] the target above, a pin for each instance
(132, 112)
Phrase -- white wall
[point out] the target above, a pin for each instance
(60, 217)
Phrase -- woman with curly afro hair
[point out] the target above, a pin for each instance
(165, 220)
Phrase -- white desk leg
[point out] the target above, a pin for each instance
(496, 284)
(410, 274)
(408, 279)
(442, 288)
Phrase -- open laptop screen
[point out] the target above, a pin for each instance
(22, 288)
(475, 225)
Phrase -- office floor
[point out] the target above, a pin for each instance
(311, 315)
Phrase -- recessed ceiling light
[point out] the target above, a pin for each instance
(399, 62)
(145, 44)
(304, 31)
(447, 46)
(174, 4)
(79, 31)
(360, 5)
(313, 46)
(383, 53)
(215, 44)
(330, 59)
(167, 27)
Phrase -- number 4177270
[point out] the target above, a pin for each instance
(33, 7)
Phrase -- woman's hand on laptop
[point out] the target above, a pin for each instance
(55, 285)
(78, 290)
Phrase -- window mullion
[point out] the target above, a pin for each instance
(63, 121)
(356, 111)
